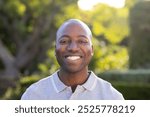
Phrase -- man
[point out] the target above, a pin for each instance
(73, 81)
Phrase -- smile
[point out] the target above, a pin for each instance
(73, 57)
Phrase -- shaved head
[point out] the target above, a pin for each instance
(73, 22)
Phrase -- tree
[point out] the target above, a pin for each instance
(27, 30)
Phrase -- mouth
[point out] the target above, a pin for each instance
(73, 57)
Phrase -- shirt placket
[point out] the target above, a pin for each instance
(76, 94)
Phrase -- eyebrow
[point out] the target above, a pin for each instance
(83, 36)
(69, 36)
(64, 36)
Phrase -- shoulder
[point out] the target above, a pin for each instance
(107, 90)
(100, 81)
(36, 90)
(41, 83)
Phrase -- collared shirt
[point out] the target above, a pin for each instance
(52, 88)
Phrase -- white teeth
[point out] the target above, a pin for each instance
(73, 57)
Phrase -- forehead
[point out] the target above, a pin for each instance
(74, 28)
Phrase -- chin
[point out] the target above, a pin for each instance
(74, 69)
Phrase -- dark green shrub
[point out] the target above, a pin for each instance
(136, 91)
(130, 76)
(133, 84)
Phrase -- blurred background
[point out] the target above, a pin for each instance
(121, 39)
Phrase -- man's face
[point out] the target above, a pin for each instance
(73, 48)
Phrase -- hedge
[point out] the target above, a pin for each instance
(132, 76)
(133, 91)
(133, 84)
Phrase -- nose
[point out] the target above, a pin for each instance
(73, 46)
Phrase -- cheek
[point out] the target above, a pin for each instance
(89, 51)
(59, 50)
(58, 55)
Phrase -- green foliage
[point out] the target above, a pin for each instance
(69, 13)
(108, 57)
(134, 91)
(50, 65)
(22, 85)
(133, 84)
(108, 22)
(128, 76)
(140, 35)
(16, 7)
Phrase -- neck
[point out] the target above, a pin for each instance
(73, 78)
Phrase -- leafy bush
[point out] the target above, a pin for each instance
(16, 93)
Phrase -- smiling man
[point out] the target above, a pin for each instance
(73, 80)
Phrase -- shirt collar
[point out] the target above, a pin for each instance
(60, 86)
(91, 82)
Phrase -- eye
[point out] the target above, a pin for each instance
(82, 41)
(64, 41)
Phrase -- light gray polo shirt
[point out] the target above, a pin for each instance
(52, 88)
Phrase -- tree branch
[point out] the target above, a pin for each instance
(10, 71)
(5, 55)
(30, 48)
(11, 31)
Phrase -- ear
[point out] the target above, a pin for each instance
(92, 51)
